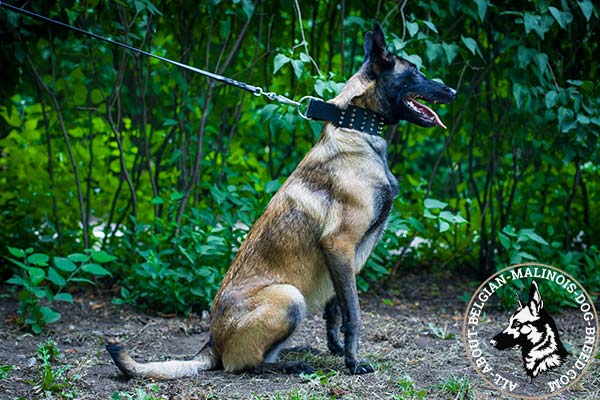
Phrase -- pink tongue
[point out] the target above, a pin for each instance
(429, 112)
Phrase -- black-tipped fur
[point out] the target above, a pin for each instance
(315, 235)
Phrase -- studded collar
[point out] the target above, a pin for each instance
(353, 117)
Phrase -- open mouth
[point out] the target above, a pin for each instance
(425, 113)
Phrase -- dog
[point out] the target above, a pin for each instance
(315, 234)
(534, 331)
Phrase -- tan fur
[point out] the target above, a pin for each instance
(331, 190)
(313, 237)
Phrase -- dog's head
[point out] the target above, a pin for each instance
(526, 325)
(400, 84)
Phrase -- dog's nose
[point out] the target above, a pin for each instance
(451, 91)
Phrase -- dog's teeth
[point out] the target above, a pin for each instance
(412, 105)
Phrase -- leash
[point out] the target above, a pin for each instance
(352, 118)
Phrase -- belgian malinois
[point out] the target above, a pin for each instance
(315, 234)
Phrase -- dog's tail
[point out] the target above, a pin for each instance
(163, 370)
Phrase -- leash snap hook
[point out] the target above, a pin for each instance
(258, 91)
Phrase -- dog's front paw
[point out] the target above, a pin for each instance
(359, 367)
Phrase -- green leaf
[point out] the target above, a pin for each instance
(412, 28)
(102, 257)
(157, 200)
(587, 7)
(541, 60)
(248, 8)
(96, 96)
(272, 186)
(540, 24)
(49, 315)
(470, 43)
(36, 275)
(95, 269)
(428, 214)
(519, 93)
(458, 219)
(319, 87)
(78, 257)
(38, 259)
(298, 67)
(176, 196)
(16, 252)
(17, 280)
(451, 51)
(527, 256)
(551, 98)
(524, 55)
(40, 292)
(17, 263)
(433, 50)
(530, 21)
(304, 57)
(533, 236)
(415, 59)
(504, 241)
(64, 264)
(433, 203)
(267, 111)
(67, 297)
(280, 61)
(55, 277)
(415, 223)
(563, 18)
(482, 6)
(447, 216)
(431, 26)
(444, 226)
(515, 257)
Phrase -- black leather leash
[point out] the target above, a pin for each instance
(353, 117)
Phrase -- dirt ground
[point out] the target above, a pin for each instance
(411, 332)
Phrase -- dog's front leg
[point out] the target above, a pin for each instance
(332, 325)
(339, 255)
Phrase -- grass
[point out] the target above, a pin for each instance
(139, 394)
(459, 388)
(441, 332)
(296, 394)
(53, 380)
(408, 390)
(4, 371)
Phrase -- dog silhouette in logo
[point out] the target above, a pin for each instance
(532, 330)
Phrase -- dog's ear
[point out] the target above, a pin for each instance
(376, 53)
(535, 299)
(518, 300)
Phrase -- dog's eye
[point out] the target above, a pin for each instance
(516, 325)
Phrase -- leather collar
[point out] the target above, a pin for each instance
(353, 117)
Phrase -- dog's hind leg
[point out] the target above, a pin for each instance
(260, 333)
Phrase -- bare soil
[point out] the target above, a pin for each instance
(411, 332)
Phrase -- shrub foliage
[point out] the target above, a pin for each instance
(166, 170)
